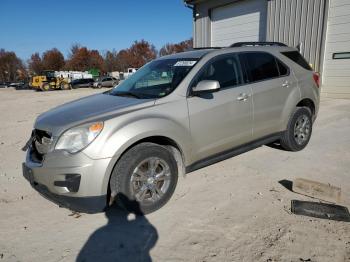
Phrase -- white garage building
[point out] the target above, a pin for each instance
(321, 29)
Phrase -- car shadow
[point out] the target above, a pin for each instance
(122, 239)
(287, 184)
(276, 145)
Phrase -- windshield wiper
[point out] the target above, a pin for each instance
(126, 94)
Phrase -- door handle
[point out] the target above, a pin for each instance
(285, 84)
(242, 97)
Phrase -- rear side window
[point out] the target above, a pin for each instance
(260, 66)
(297, 58)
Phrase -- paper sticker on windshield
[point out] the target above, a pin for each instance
(185, 63)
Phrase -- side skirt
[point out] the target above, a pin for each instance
(232, 152)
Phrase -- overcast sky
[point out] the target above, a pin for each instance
(28, 26)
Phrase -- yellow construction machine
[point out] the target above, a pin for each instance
(48, 81)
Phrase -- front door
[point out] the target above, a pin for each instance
(220, 120)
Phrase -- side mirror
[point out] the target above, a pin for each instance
(206, 86)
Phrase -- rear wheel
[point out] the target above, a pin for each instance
(145, 178)
(299, 130)
(65, 86)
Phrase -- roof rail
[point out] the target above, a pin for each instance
(212, 47)
(240, 44)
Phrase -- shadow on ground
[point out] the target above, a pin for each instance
(287, 184)
(125, 237)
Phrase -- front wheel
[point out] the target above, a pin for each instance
(45, 87)
(145, 178)
(299, 130)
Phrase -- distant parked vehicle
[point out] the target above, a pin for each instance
(22, 86)
(3, 85)
(106, 82)
(17, 85)
(78, 83)
(125, 75)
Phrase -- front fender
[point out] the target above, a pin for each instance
(115, 141)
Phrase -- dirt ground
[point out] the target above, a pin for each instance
(235, 210)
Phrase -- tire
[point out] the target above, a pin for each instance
(138, 192)
(45, 87)
(65, 86)
(299, 130)
(99, 86)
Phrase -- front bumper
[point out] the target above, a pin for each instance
(74, 181)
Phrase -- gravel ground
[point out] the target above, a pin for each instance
(235, 210)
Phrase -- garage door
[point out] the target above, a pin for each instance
(238, 22)
(336, 66)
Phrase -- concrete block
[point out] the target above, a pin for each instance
(317, 190)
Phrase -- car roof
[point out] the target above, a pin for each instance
(194, 54)
(197, 54)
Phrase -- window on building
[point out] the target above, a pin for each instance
(343, 55)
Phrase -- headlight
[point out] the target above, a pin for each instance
(77, 138)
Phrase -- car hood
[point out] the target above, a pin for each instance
(88, 109)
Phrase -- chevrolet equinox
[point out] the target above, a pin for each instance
(176, 114)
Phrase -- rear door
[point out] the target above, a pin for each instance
(272, 84)
(78, 83)
(83, 83)
(87, 82)
(220, 120)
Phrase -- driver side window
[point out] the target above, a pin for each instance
(225, 70)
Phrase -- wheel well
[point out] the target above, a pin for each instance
(307, 103)
(159, 140)
(171, 145)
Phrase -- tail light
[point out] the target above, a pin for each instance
(316, 77)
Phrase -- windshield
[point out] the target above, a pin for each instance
(156, 79)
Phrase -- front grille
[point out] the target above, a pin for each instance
(41, 144)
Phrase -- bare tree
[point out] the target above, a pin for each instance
(35, 64)
(11, 67)
(111, 61)
(74, 49)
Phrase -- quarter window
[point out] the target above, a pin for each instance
(297, 58)
(225, 70)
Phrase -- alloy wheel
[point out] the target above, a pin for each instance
(150, 180)
(302, 129)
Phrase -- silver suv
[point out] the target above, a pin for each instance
(106, 82)
(176, 114)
